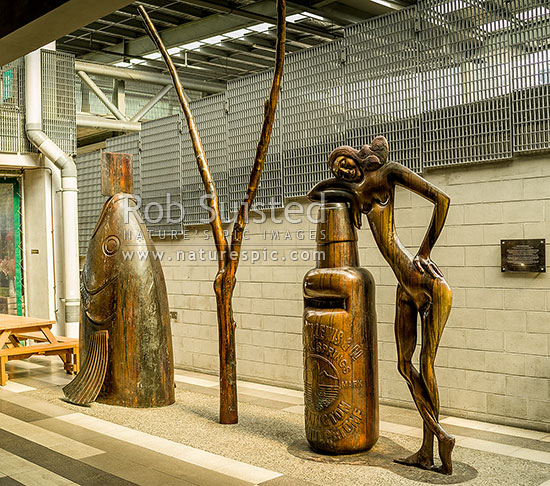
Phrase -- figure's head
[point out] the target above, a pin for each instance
(350, 168)
(349, 164)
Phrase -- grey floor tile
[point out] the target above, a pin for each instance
(7, 481)
(132, 471)
(19, 412)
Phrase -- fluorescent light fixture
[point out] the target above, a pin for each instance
(217, 39)
(237, 34)
(123, 64)
(495, 26)
(386, 4)
(174, 50)
(191, 46)
(153, 55)
(534, 13)
(261, 27)
(137, 61)
(313, 16)
(452, 6)
(295, 17)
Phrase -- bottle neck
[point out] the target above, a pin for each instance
(338, 254)
(336, 237)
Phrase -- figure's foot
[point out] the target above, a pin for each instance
(445, 450)
(419, 459)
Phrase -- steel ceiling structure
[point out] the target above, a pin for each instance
(216, 41)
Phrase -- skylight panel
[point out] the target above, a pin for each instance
(191, 46)
(217, 39)
(174, 50)
(123, 64)
(137, 61)
(153, 55)
(261, 27)
(295, 17)
(237, 34)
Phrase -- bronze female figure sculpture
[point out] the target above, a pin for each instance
(366, 181)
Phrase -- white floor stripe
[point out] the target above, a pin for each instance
(14, 387)
(207, 460)
(194, 381)
(297, 409)
(210, 381)
(29, 473)
(498, 429)
(22, 364)
(51, 440)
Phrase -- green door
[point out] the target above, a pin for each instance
(11, 250)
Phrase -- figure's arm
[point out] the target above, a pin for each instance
(399, 174)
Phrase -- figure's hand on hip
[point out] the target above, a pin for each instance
(425, 264)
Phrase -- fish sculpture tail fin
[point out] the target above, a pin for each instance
(85, 388)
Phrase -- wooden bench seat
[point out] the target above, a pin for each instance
(14, 329)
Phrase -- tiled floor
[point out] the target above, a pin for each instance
(44, 443)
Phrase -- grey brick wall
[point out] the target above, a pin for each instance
(493, 362)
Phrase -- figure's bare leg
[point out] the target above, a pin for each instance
(434, 318)
(405, 337)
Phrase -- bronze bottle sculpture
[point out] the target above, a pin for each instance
(125, 335)
(366, 181)
(340, 345)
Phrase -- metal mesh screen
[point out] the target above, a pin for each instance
(531, 75)
(313, 113)
(129, 144)
(90, 199)
(12, 109)
(211, 118)
(464, 52)
(381, 85)
(246, 98)
(58, 99)
(161, 173)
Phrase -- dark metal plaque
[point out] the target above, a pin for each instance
(523, 255)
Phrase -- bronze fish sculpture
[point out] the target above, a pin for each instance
(123, 292)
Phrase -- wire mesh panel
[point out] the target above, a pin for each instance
(381, 85)
(464, 52)
(129, 144)
(58, 99)
(246, 97)
(211, 118)
(161, 174)
(314, 116)
(531, 74)
(12, 109)
(90, 199)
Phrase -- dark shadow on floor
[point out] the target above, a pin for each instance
(382, 455)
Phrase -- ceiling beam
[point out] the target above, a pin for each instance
(225, 9)
(26, 25)
(191, 31)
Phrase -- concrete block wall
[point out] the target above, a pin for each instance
(493, 362)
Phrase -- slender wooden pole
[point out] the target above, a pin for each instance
(228, 254)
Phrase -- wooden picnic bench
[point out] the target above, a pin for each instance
(13, 329)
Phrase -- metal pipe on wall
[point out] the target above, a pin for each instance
(33, 128)
(145, 77)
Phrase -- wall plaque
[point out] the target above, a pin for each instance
(523, 255)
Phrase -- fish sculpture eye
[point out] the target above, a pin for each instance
(111, 245)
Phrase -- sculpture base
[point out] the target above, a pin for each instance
(382, 455)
